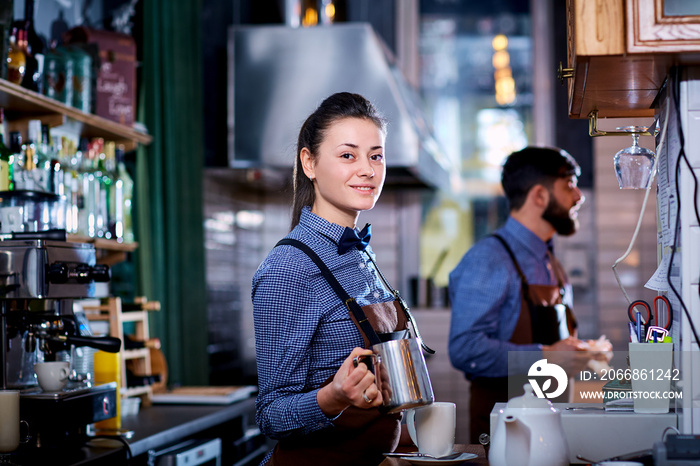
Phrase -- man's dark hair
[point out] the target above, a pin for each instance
(534, 165)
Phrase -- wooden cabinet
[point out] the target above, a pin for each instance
(650, 29)
(619, 53)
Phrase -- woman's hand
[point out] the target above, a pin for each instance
(350, 386)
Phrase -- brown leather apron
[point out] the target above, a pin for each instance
(553, 321)
(359, 436)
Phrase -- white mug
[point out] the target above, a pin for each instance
(432, 428)
(9, 420)
(53, 375)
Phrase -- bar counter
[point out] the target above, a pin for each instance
(154, 428)
(159, 425)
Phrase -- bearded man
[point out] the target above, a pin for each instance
(510, 298)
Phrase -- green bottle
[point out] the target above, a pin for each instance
(7, 159)
(124, 192)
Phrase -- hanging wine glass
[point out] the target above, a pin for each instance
(634, 164)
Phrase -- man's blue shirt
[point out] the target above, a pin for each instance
(485, 295)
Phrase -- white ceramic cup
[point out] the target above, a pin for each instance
(9, 420)
(432, 428)
(53, 375)
(651, 374)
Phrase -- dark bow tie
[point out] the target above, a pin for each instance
(351, 239)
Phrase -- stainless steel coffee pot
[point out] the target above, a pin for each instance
(401, 374)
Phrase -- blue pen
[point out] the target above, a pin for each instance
(639, 326)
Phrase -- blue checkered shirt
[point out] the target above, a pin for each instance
(485, 294)
(303, 331)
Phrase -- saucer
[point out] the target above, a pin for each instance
(423, 461)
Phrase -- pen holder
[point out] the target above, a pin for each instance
(651, 373)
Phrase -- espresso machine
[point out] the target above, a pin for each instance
(39, 281)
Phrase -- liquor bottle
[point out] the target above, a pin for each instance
(108, 167)
(7, 159)
(26, 161)
(87, 176)
(16, 61)
(124, 188)
(70, 160)
(55, 79)
(101, 187)
(38, 168)
(16, 149)
(31, 64)
(47, 160)
(92, 189)
(6, 15)
(59, 71)
(33, 78)
(82, 187)
(81, 89)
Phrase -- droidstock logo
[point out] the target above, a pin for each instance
(542, 369)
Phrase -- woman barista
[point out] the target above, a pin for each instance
(312, 399)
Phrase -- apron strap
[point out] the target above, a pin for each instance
(350, 303)
(559, 273)
(402, 304)
(558, 270)
(523, 280)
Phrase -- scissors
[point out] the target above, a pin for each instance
(632, 313)
(651, 318)
(669, 313)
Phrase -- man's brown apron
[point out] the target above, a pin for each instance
(359, 436)
(542, 302)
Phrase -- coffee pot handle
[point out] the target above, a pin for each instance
(367, 359)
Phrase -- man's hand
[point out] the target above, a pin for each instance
(601, 349)
(571, 354)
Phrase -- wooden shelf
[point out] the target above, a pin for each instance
(21, 104)
(110, 251)
(139, 359)
(136, 391)
(133, 316)
(136, 353)
(104, 244)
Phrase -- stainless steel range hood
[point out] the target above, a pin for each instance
(278, 75)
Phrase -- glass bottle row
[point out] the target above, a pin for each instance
(63, 73)
(88, 178)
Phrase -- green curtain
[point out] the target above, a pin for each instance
(169, 222)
